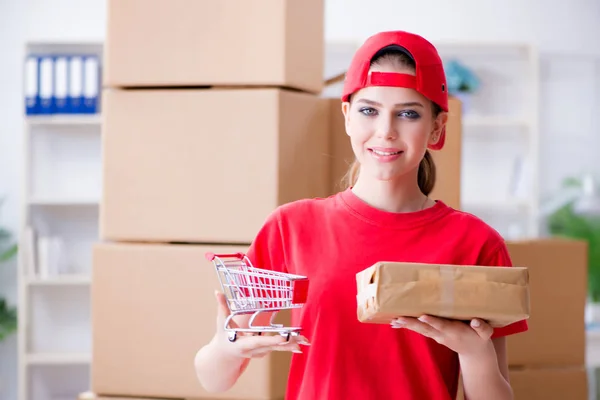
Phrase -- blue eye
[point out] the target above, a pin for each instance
(410, 114)
(368, 111)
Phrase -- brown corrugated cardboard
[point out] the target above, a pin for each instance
(340, 149)
(207, 166)
(206, 43)
(568, 383)
(389, 290)
(153, 307)
(550, 384)
(558, 290)
(447, 161)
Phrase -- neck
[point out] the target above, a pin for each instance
(398, 196)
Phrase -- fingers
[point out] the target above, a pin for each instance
(258, 346)
(223, 308)
(483, 329)
(438, 324)
(417, 326)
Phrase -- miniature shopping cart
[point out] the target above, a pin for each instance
(251, 290)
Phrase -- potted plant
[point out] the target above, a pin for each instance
(571, 220)
(462, 82)
(8, 314)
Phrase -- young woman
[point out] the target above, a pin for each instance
(395, 105)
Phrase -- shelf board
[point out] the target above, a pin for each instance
(494, 121)
(58, 358)
(60, 280)
(40, 201)
(499, 205)
(64, 119)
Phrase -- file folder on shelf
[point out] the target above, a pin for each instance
(91, 86)
(46, 84)
(61, 77)
(75, 97)
(62, 84)
(32, 86)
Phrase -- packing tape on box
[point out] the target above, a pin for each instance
(445, 276)
(447, 290)
(448, 276)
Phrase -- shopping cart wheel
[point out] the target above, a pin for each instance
(232, 336)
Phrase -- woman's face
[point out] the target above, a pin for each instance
(390, 128)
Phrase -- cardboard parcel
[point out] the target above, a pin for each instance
(387, 290)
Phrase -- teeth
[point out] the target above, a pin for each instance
(384, 153)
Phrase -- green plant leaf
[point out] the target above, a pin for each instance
(8, 319)
(571, 182)
(565, 222)
(8, 253)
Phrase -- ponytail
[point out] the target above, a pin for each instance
(352, 174)
(425, 176)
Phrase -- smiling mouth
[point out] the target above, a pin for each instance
(385, 153)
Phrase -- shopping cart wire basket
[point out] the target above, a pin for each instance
(251, 290)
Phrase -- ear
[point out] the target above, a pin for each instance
(346, 112)
(438, 126)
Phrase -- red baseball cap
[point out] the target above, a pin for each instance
(429, 78)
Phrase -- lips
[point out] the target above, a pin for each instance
(385, 151)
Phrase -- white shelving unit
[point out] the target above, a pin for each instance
(61, 184)
(500, 171)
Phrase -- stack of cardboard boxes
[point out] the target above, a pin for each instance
(212, 118)
(548, 361)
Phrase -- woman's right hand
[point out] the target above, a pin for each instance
(248, 345)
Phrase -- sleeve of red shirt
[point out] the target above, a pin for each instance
(266, 250)
(500, 257)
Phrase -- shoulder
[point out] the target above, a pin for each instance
(474, 232)
(305, 210)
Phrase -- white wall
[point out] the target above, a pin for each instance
(552, 24)
(569, 108)
(21, 21)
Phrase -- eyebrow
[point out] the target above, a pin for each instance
(409, 104)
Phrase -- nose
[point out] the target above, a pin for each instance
(386, 128)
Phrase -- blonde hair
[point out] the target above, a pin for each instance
(396, 56)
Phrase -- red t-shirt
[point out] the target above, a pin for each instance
(329, 241)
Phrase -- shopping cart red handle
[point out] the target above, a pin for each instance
(211, 256)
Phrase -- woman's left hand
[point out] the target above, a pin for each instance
(465, 339)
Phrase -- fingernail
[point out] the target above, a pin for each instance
(399, 322)
(304, 342)
(475, 323)
(297, 351)
(422, 318)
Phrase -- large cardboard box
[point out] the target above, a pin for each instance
(388, 290)
(549, 383)
(153, 308)
(207, 166)
(448, 161)
(558, 291)
(570, 383)
(215, 43)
